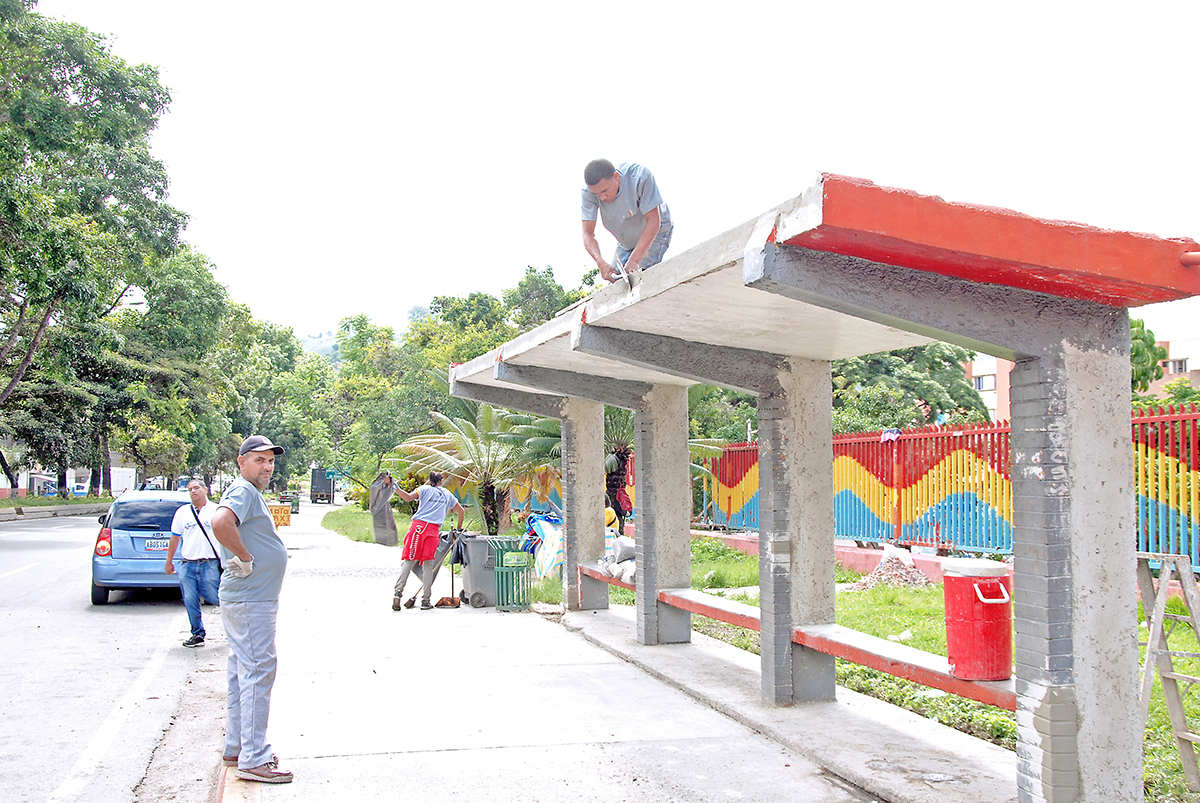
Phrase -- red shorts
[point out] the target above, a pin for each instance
(421, 541)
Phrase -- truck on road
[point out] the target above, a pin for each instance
(321, 489)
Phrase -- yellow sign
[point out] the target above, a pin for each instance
(282, 515)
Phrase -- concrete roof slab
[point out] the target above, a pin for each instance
(702, 296)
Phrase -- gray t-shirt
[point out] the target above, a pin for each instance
(625, 217)
(257, 529)
(434, 504)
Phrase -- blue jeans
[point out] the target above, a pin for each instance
(198, 579)
(654, 254)
(250, 673)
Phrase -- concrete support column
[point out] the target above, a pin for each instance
(664, 506)
(796, 531)
(1074, 544)
(583, 492)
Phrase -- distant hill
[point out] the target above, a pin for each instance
(324, 344)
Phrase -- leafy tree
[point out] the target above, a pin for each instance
(81, 199)
(476, 310)
(931, 377)
(537, 298)
(720, 414)
(43, 415)
(185, 306)
(1145, 356)
(875, 408)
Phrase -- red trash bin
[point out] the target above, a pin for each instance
(978, 618)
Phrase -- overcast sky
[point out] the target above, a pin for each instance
(366, 156)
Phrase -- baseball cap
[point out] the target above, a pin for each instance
(258, 443)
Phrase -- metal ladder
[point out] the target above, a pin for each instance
(1161, 625)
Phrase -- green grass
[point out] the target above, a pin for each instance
(52, 501)
(883, 612)
(843, 575)
(715, 565)
(355, 523)
(548, 590)
(1161, 767)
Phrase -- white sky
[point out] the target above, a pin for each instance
(367, 155)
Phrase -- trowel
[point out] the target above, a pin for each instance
(619, 269)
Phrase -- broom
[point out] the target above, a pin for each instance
(451, 601)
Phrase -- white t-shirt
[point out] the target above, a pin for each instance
(194, 545)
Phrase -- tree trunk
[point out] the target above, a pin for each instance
(503, 511)
(63, 490)
(106, 465)
(29, 352)
(487, 501)
(12, 478)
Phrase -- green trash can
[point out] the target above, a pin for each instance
(514, 574)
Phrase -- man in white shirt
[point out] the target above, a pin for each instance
(197, 564)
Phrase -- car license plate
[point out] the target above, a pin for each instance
(157, 544)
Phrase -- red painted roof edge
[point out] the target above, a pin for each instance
(998, 246)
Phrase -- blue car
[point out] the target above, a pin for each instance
(132, 545)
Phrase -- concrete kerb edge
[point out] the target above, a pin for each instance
(231, 789)
(51, 511)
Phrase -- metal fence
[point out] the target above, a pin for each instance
(950, 487)
(1165, 452)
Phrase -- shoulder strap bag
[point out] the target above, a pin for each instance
(204, 532)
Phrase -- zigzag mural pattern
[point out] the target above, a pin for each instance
(739, 487)
(850, 475)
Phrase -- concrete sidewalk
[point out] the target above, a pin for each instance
(471, 704)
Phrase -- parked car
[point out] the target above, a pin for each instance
(79, 489)
(132, 544)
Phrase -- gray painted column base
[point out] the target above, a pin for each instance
(593, 594)
(814, 676)
(674, 625)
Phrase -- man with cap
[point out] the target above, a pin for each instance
(255, 562)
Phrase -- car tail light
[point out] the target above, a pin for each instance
(104, 542)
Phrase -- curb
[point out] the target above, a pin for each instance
(231, 789)
(51, 511)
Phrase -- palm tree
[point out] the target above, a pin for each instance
(475, 453)
(542, 439)
(619, 438)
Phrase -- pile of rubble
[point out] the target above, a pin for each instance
(893, 571)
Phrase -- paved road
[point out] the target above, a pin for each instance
(86, 692)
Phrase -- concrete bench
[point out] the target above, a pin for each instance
(904, 662)
(859, 648)
(593, 591)
(714, 607)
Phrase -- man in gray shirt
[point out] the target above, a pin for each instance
(255, 561)
(627, 200)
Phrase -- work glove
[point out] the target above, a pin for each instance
(238, 567)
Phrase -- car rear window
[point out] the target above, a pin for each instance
(144, 515)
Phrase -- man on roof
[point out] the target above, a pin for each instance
(628, 202)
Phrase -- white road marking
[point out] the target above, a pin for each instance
(15, 571)
(85, 767)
